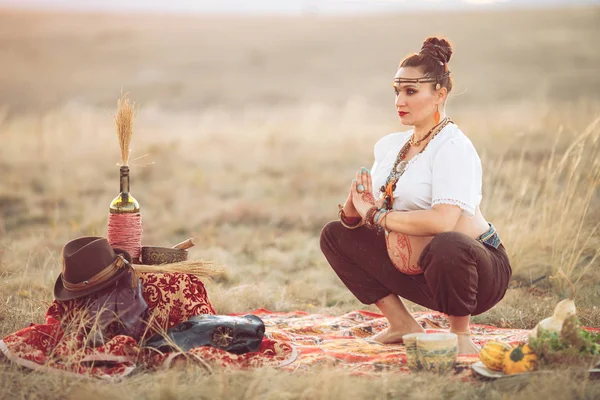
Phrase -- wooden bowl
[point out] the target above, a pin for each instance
(154, 255)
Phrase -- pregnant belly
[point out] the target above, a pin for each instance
(404, 251)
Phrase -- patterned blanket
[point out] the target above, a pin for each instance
(59, 345)
(343, 341)
(294, 341)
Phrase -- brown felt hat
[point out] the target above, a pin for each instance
(89, 265)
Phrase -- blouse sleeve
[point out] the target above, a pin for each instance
(383, 145)
(374, 167)
(457, 175)
(379, 152)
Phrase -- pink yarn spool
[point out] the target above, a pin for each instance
(125, 232)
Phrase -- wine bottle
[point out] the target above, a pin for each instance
(124, 203)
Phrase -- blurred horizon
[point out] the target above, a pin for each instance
(249, 128)
(292, 7)
(193, 62)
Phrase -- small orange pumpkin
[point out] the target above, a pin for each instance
(521, 358)
(493, 353)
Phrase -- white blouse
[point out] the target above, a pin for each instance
(448, 171)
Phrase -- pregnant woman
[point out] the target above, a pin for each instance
(411, 226)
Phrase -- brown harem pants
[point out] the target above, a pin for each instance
(461, 276)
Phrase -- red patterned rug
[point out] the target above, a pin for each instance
(294, 341)
(343, 341)
(171, 298)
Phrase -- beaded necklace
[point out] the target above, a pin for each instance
(387, 190)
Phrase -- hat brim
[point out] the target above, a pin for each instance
(62, 294)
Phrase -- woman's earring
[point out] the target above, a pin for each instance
(436, 115)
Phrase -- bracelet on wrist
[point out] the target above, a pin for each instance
(378, 216)
(369, 217)
(344, 219)
(383, 221)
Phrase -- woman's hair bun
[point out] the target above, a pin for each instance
(438, 48)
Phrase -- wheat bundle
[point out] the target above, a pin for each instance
(124, 122)
(194, 267)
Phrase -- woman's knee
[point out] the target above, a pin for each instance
(328, 233)
(447, 250)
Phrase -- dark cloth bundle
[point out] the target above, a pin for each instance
(233, 334)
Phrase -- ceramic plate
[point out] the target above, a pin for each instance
(480, 370)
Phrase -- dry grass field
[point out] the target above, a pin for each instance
(255, 127)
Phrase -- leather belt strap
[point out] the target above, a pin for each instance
(490, 237)
(99, 278)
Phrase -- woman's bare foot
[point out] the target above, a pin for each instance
(466, 345)
(394, 335)
(399, 319)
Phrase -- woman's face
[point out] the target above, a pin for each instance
(415, 102)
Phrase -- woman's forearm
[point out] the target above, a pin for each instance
(419, 222)
(350, 210)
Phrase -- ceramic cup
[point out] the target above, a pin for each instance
(413, 361)
(437, 352)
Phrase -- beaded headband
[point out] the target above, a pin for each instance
(424, 79)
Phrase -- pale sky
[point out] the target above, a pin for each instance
(279, 6)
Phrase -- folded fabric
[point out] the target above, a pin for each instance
(119, 309)
(59, 345)
(233, 334)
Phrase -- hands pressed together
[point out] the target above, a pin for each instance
(361, 193)
(361, 205)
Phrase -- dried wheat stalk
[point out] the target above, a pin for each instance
(193, 267)
(124, 121)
